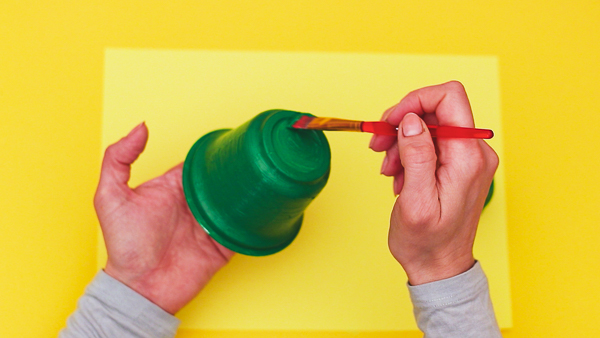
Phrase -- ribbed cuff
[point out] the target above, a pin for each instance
(146, 315)
(449, 291)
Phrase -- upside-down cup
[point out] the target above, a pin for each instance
(249, 187)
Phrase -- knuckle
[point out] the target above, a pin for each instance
(97, 199)
(111, 151)
(100, 198)
(420, 215)
(419, 154)
(493, 161)
(482, 161)
(478, 160)
(116, 152)
(476, 166)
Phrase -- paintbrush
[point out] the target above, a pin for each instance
(384, 128)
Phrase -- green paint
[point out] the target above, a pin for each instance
(248, 187)
(489, 195)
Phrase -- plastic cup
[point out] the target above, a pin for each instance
(488, 198)
(248, 187)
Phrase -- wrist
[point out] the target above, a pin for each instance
(432, 271)
(143, 287)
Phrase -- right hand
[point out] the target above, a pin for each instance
(441, 184)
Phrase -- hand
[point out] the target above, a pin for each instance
(441, 183)
(154, 244)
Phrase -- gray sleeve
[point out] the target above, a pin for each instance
(455, 307)
(111, 309)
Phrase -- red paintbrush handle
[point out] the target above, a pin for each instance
(460, 132)
(384, 128)
(379, 128)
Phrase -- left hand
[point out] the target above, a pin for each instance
(154, 244)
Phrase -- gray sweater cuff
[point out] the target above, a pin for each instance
(132, 305)
(109, 308)
(451, 290)
(457, 307)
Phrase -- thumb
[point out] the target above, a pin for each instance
(419, 160)
(116, 165)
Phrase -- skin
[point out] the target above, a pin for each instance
(154, 244)
(156, 247)
(441, 184)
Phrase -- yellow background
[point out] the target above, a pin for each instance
(51, 58)
(338, 274)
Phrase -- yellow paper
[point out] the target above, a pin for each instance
(338, 274)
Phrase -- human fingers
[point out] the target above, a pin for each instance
(448, 101)
(383, 142)
(446, 104)
(118, 157)
(483, 164)
(173, 175)
(398, 182)
(391, 165)
(417, 153)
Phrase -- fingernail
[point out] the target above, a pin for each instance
(384, 165)
(411, 125)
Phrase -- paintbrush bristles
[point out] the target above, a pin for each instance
(326, 123)
(302, 122)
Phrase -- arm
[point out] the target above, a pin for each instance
(441, 186)
(159, 258)
(110, 309)
(459, 306)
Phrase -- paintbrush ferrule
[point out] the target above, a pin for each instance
(333, 124)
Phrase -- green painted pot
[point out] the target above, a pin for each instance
(248, 187)
(488, 198)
